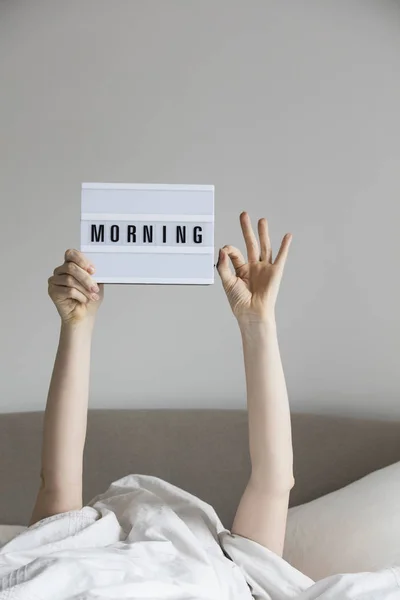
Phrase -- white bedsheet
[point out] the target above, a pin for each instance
(147, 539)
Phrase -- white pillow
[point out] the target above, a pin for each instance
(353, 529)
(8, 532)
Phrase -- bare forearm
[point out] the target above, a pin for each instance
(270, 436)
(252, 291)
(64, 427)
(65, 417)
(77, 298)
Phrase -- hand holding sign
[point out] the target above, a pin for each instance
(253, 288)
(72, 289)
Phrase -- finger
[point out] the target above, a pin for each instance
(59, 292)
(70, 282)
(223, 269)
(236, 256)
(253, 253)
(71, 268)
(283, 250)
(72, 255)
(265, 244)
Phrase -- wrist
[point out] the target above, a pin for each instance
(255, 333)
(250, 321)
(84, 327)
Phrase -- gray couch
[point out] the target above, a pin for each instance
(202, 451)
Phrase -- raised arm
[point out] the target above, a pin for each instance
(77, 298)
(252, 291)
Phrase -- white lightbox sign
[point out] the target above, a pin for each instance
(149, 233)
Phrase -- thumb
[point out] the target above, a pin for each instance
(223, 268)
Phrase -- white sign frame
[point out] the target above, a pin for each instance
(149, 233)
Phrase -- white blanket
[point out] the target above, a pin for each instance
(147, 539)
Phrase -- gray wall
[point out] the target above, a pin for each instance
(291, 109)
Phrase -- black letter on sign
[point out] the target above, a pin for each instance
(164, 234)
(97, 236)
(197, 237)
(148, 233)
(181, 234)
(114, 233)
(131, 234)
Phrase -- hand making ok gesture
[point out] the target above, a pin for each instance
(253, 288)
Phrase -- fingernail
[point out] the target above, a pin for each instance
(91, 269)
(94, 297)
(94, 288)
